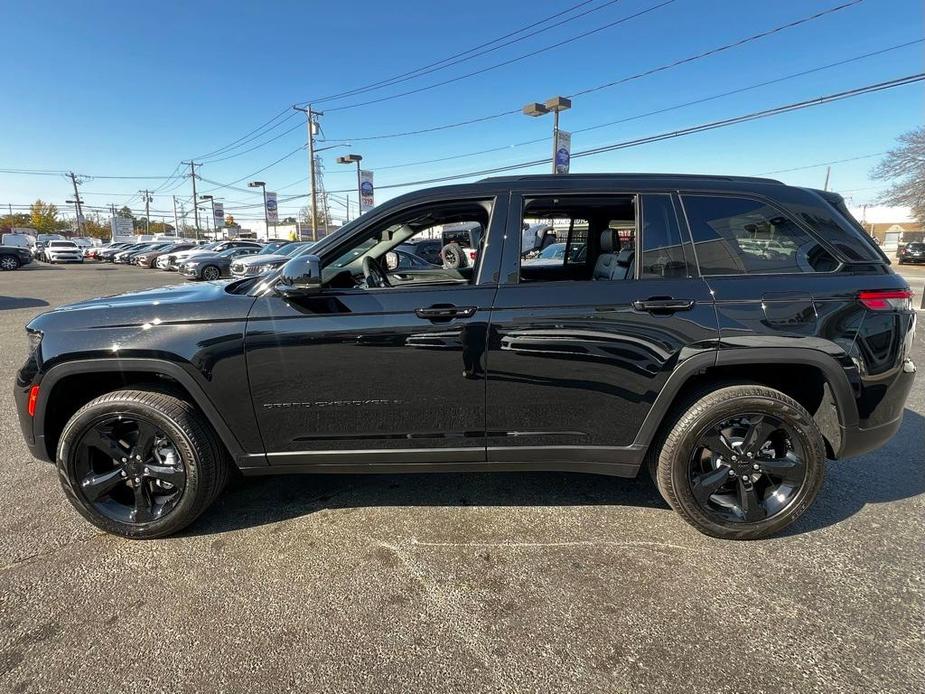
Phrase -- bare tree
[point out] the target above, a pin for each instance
(904, 167)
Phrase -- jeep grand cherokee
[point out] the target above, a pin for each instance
(726, 334)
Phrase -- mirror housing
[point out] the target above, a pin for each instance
(391, 261)
(300, 276)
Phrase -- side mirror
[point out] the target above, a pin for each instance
(300, 276)
(391, 261)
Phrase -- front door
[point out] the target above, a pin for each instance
(371, 371)
(588, 330)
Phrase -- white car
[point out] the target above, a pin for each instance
(63, 252)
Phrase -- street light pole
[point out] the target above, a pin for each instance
(353, 159)
(211, 200)
(554, 105)
(266, 217)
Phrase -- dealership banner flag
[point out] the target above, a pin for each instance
(272, 209)
(366, 191)
(563, 151)
(218, 214)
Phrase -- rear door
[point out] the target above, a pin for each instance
(578, 353)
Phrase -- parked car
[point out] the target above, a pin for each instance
(95, 252)
(153, 248)
(213, 266)
(149, 258)
(727, 374)
(428, 249)
(554, 254)
(265, 262)
(14, 257)
(63, 252)
(109, 254)
(126, 253)
(461, 244)
(177, 259)
(912, 253)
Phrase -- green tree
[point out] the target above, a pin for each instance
(19, 219)
(904, 167)
(43, 217)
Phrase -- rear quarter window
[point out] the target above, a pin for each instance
(736, 235)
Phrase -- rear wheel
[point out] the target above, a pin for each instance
(8, 262)
(743, 462)
(140, 464)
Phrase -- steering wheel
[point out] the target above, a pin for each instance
(373, 273)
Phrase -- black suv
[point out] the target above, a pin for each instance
(728, 334)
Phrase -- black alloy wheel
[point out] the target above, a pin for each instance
(8, 262)
(210, 273)
(747, 468)
(140, 463)
(740, 462)
(129, 469)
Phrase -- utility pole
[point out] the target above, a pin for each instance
(192, 173)
(147, 198)
(77, 203)
(310, 121)
(828, 171)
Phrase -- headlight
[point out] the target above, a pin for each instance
(266, 267)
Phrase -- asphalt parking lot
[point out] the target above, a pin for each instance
(458, 582)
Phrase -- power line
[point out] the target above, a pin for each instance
(713, 125)
(246, 135)
(823, 163)
(466, 55)
(735, 44)
(524, 56)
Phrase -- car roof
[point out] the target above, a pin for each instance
(629, 177)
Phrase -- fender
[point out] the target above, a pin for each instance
(835, 375)
(170, 369)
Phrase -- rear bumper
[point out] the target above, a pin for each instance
(856, 441)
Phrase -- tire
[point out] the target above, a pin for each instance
(687, 471)
(9, 263)
(210, 273)
(453, 256)
(204, 470)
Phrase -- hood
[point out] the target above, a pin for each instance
(207, 255)
(175, 304)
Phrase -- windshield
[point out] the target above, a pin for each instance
(556, 250)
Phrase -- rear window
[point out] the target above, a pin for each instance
(736, 235)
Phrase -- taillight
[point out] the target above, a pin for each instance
(33, 398)
(886, 299)
(473, 254)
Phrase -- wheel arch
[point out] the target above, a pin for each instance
(811, 377)
(67, 387)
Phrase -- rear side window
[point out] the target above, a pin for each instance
(662, 250)
(734, 236)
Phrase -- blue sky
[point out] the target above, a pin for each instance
(129, 89)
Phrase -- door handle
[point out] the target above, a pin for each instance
(445, 313)
(663, 305)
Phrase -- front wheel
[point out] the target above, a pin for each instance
(140, 464)
(742, 463)
(8, 262)
(210, 273)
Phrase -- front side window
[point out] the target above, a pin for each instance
(734, 236)
(450, 235)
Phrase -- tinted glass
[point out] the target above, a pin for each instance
(662, 250)
(735, 235)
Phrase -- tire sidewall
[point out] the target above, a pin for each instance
(15, 261)
(65, 461)
(676, 459)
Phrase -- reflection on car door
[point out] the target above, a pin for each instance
(575, 366)
(374, 376)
